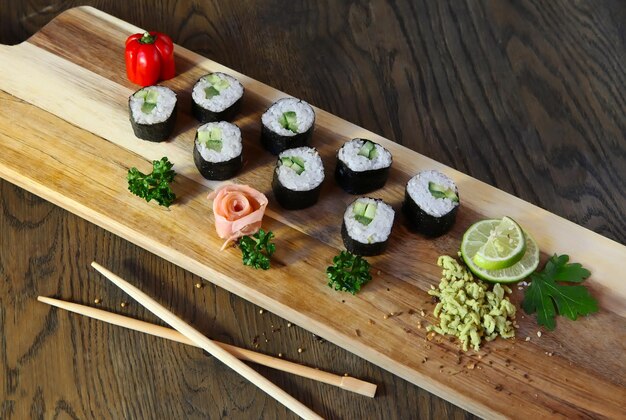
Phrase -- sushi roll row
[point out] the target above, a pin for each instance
(215, 97)
(430, 205)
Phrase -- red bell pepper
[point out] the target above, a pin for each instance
(149, 58)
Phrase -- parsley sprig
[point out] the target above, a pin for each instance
(348, 273)
(548, 298)
(156, 185)
(257, 249)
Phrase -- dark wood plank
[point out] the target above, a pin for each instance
(528, 96)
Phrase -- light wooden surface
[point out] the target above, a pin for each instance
(345, 382)
(396, 344)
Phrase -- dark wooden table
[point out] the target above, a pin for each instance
(529, 96)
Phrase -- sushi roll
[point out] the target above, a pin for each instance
(431, 201)
(217, 150)
(362, 166)
(153, 112)
(298, 178)
(216, 97)
(287, 124)
(366, 226)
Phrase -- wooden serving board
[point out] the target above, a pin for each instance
(67, 138)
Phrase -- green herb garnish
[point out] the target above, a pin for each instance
(257, 249)
(549, 298)
(154, 185)
(348, 273)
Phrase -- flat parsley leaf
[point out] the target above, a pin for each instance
(548, 298)
(156, 185)
(257, 249)
(348, 272)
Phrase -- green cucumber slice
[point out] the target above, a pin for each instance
(221, 85)
(289, 121)
(141, 94)
(152, 96)
(370, 211)
(439, 191)
(286, 161)
(363, 220)
(214, 145)
(147, 107)
(359, 208)
(210, 92)
(297, 168)
(368, 150)
(212, 78)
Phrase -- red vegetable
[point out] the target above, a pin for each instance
(149, 58)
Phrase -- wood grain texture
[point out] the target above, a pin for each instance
(467, 113)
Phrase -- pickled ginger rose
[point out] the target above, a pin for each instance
(238, 211)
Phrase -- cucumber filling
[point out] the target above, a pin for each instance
(212, 138)
(368, 150)
(217, 85)
(294, 163)
(364, 213)
(149, 100)
(289, 121)
(439, 191)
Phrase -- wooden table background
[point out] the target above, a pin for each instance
(529, 96)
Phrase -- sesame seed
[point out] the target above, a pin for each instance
(300, 350)
(261, 311)
(97, 300)
(198, 285)
(123, 304)
(289, 324)
(538, 333)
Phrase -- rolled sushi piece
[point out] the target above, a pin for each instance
(362, 166)
(298, 178)
(216, 97)
(431, 201)
(153, 112)
(287, 124)
(366, 226)
(217, 150)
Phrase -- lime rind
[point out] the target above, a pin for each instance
(504, 247)
(476, 236)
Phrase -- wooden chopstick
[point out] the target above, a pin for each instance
(207, 344)
(346, 382)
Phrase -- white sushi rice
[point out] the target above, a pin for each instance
(348, 154)
(218, 103)
(231, 142)
(379, 228)
(305, 116)
(418, 190)
(313, 173)
(163, 110)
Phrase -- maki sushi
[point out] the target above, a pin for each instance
(217, 150)
(216, 97)
(153, 112)
(431, 201)
(366, 226)
(298, 178)
(362, 166)
(287, 124)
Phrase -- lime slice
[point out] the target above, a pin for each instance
(475, 238)
(504, 247)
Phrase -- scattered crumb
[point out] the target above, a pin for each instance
(280, 355)
(346, 374)
(123, 304)
(470, 365)
(538, 333)
(261, 311)
(300, 349)
(385, 316)
(527, 338)
(198, 285)
(422, 313)
(419, 325)
(289, 324)
(430, 335)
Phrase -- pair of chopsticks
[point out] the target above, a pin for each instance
(230, 355)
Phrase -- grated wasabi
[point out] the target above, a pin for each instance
(467, 309)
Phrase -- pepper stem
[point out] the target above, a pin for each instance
(147, 38)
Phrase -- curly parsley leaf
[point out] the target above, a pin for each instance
(348, 273)
(548, 298)
(156, 185)
(257, 249)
